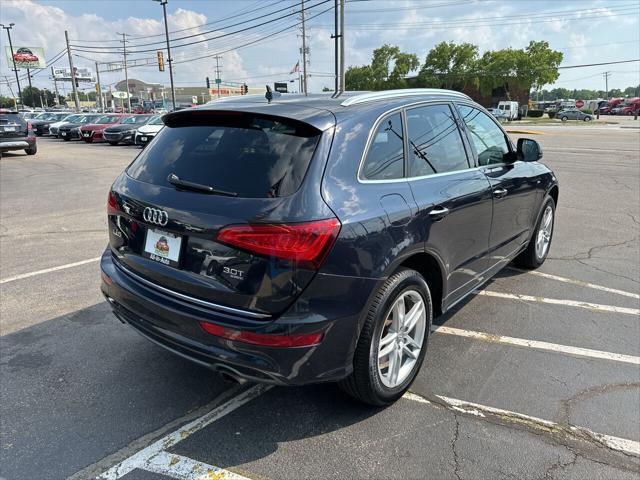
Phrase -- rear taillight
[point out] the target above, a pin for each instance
(112, 204)
(264, 339)
(29, 126)
(302, 242)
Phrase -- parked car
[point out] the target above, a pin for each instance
(498, 114)
(71, 131)
(573, 114)
(332, 245)
(43, 121)
(53, 128)
(617, 110)
(510, 109)
(147, 132)
(125, 131)
(93, 131)
(16, 133)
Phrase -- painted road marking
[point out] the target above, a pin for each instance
(145, 459)
(576, 282)
(478, 410)
(555, 301)
(185, 468)
(48, 270)
(546, 346)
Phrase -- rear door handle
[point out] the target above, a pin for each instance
(500, 192)
(439, 212)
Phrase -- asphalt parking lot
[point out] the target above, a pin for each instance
(535, 377)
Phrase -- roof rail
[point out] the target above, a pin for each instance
(405, 92)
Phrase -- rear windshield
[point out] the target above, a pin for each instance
(251, 155)
(12, 118)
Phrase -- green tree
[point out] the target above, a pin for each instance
(388, 69)
(6, 102)
(449, 65)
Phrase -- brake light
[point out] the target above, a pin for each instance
(264, 339)
(112, 204)
(29, 126)
(301, 242)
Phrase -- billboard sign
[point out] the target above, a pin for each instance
(63, 74)
(26, 57)
(280, 87)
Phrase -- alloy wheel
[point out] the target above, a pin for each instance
(543, 238)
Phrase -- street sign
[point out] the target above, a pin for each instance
(218, 80)
(579, 103)
(280, 87)
(194, 99)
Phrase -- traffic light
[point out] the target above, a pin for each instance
(160, 60)
(245, 89)
(208, 83)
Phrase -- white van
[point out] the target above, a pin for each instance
(510, 109)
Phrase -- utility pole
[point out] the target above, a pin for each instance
(73, 73)
(218, 57)
(7, 28)
(126, 73)
(342, 82)
(99, 89)
(336, 37)
(169, 59)
(606, 76)
(55, 87)
(29, 77)
(304, 49)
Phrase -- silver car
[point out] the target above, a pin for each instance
(573, 114)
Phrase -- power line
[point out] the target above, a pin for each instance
(266, 22)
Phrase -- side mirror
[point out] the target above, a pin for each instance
(529, 150)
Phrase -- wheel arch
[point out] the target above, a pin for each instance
(429, 267)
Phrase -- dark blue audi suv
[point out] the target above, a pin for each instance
(313, 239)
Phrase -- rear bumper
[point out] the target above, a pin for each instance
(8, 145)
(173, 323)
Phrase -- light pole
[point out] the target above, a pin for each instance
(170, 60)
(7, 28)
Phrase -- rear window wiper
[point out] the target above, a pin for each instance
(173, 179)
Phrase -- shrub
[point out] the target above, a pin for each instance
(535, 113)
(588, 111)
(551, 113)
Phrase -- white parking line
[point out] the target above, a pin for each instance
(576, 282)
(48, 270)
(478, 410)
(185, 468)
(146, 459)
(555, 301)
(551, 347)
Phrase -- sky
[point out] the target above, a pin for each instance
(585, 31)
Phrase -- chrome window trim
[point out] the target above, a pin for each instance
(204, 303)
(405, 178)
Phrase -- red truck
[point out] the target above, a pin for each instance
(632, 105)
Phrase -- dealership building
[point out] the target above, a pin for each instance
(142, 91)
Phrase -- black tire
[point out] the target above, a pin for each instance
(364, 382)
(564, 119)
(66, 139)
(113, 143)
(529, 257)
(587, 119)
(31, 151)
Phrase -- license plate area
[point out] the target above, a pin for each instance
(163, 247)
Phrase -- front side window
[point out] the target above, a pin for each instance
(435, 144)
(385, 157)
(488, 138)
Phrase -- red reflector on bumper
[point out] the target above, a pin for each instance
(106, 278)
(267, 340)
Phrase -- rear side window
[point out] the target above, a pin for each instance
(434, 141)
(251, 155)
(487, 137)
(385, 157)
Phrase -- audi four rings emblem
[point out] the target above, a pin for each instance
(154, 215)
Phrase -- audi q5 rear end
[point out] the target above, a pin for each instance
(284, 242)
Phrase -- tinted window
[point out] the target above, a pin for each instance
(435, 143)
(12, 119)
(107, 119)
(251, 155)
(487, 138)
(156, 120)
(385, 157)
